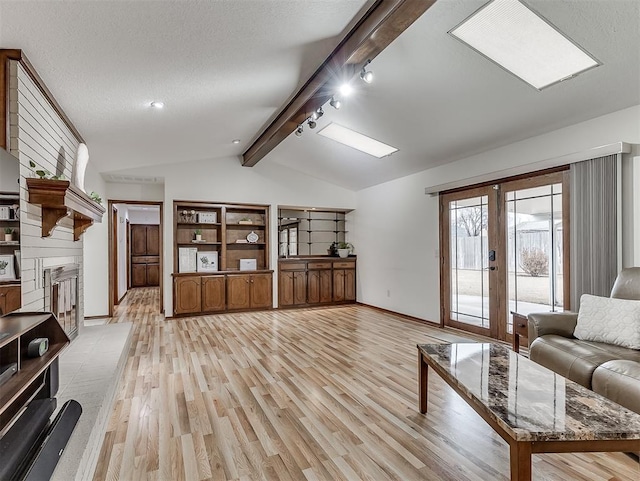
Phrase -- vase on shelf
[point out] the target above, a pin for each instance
(8, 237)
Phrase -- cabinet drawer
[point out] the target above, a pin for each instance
(293, 266)
(319, 265)
(344, 265)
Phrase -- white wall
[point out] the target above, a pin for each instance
(96, 248)
(396, 232)
(631, 209)
(38, 134)
(152, 192)
(123, 215)
(225, 180)
(148, 217)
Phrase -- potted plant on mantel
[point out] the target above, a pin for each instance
(344, 249)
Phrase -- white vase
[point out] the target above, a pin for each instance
(80, 166)
(8, 237)
(343, 252)
(198, 237)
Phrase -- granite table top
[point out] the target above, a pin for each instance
(529, 401)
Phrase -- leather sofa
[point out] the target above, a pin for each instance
(609, 370)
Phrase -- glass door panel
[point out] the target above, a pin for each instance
(535, 258)
(469, 261)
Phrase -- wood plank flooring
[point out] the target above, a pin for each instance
(312, 394)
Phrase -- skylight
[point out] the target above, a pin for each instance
(357, 140)
(522, 42)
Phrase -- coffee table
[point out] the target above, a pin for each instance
(532, 408)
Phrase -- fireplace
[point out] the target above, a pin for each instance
(61, 296)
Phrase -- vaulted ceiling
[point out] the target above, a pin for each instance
(225, 68)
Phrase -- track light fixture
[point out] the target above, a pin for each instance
(335, 102)
(366, 75)
(311, 123)
(299, 130)
(317, 114)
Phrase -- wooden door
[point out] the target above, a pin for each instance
(261, 291)
(349, 284)
(188, 296)
(153, 240)
(299, 287)
(285, 288)
(213, 290)
(338, 285)
(325, 285)
(153, 274)
(138, 240)
(138, 275)
(238, 292)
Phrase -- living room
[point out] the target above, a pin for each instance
(165, 156)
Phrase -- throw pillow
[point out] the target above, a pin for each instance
(605, 319)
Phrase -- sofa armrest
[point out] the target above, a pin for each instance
(560, 323)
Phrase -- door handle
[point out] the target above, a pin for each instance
(490, 268)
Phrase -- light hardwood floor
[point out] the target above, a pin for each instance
(312, 394)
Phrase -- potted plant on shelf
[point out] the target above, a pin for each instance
(344, 249)
(198, 233)
(8, 234)
(333, 249)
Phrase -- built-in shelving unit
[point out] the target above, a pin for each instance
(232, 235)
(309, 231)
(59, 199)
(10, 291)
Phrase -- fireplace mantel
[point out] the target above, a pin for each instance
(59, 199)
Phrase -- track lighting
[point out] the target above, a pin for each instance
(335, 103)
(366, 75)
(311, 123)
(345, 90)
(317, 114)
(299, 130)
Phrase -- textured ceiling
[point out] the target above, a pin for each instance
(224, 68)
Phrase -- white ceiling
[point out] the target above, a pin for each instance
(224, 68)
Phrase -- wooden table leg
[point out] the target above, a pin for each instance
(423, 383)
(516, 342)
(520, 461)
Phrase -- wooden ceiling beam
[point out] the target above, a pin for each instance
(380, 25)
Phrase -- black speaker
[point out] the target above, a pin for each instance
(38, 346)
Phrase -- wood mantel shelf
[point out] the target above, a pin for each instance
(59, 199)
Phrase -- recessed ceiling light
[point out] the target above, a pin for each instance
(346, 89)
(522, 42)
(356, 140)
(235, 141)
(157, 105)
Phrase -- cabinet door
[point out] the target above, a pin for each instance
(313, 287)
(213, 289)
(188, 295)
(153, 274)
(325, 285)
(13, 299)
(285, 288)
(299, 287)
(153, 240)
(138, 275)
(261, 291)
(338, 285)
(138, 240)
(239, 292)
(349, 285)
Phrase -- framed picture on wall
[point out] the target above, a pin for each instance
(7, 272)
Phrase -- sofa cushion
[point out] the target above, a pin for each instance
(576, 359)
(604, 319)
(620, 382)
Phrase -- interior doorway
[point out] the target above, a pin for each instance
(135, 260)
(504, 248)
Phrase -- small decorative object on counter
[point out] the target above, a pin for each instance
(252, 237)
(333, 249)
(344, 249)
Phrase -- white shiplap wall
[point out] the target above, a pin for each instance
(38, 134)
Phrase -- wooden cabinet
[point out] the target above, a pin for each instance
(188, 295)
(213, 293)
(10, 299)
(145, 255)
(318, 280)
(249, 291)
(319, 286)
(237, 234)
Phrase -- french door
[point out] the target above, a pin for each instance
(504, 247)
